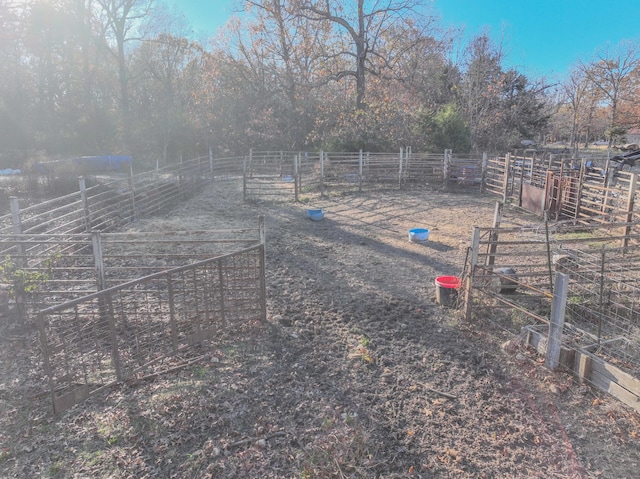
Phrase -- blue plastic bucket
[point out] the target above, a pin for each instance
(418, 234)
(315, 215)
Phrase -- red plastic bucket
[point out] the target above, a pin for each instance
(447, 290)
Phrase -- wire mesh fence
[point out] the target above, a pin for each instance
(138, 328)
(509, 281)
(47, 269)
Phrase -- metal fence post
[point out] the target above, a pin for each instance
(507, 166)
(446, 168)
(211, 163)
(400, 170)
(98, 260)
(85, 204)
(263, 263)
(360, 160)
(322, 156)
(556, 324)
(475, 246)
(172, 314)
(132, 193)
(629, 214)
(222, 285)
(244, 179)
(296, 176)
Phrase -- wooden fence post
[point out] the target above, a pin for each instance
(493, 237)
(446, 167)
(475, 246)
(556, 323)
(578, 192)
(16, 222)
(483, 172)
(21, 261)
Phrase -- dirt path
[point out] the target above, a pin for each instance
(356, 374)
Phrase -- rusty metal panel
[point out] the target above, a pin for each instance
(135, 329)
(533, 199)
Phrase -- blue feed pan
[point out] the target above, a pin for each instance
(419, 234)
(315, 215)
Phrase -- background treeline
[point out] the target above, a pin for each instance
(92, 77)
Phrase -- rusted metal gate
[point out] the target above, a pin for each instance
(137, 328)
(271, 175)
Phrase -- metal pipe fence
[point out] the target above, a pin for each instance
(138, 328)
(287, 175)
(509, 281)
(49, 269)
(565, 188)
(114, 203)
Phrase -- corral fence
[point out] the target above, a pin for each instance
(280, 175)
(512, 278)
(48, 269)
(100, 322)
(579, 190)
(146, 326)
(113, 203)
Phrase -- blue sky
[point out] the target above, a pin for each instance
(541, 37)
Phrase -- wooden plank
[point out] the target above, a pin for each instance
(556, 324)
(538, 340)
(71, 398)
(609, 371)
(582, 366)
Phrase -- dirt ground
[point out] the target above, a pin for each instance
(357, 372)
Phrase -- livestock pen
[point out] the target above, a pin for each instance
(291, 176)
(511, 279)
(62, 239)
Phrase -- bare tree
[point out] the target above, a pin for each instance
(579, 95)
(165, 69)
(478, 95)
(612, 72)
(122, 19)
(501, 106)
(279, 49)
(369, 27)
